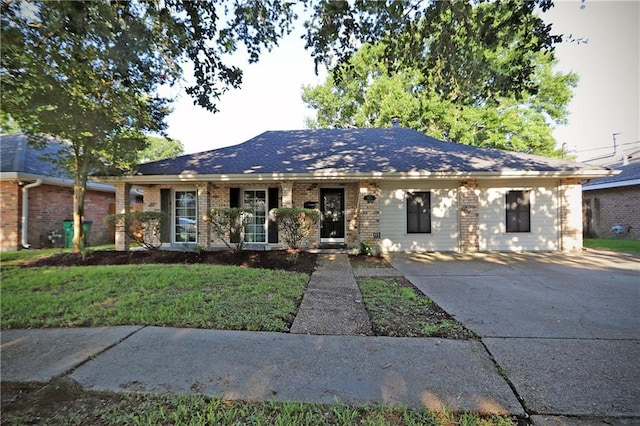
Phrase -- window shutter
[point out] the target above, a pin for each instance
(165, 223)
(273, 204)
(234, 197)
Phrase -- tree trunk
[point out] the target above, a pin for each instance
(79, 191)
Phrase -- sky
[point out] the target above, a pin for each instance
(606, 101)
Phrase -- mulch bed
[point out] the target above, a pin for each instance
(271, 259)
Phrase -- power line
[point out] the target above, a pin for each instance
(607, 147)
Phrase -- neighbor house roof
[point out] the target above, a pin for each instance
(390, 152)
(21, 161)
(629, 175)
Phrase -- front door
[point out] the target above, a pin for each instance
(332, 208)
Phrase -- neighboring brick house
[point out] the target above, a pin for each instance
(24, 169)
(395, 187)
(611, 205)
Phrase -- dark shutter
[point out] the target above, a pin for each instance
(165, 207)
(273, 204)
(234, 197)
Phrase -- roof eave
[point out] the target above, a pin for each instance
(335, 175)
(47, 180)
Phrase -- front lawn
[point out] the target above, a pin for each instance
(200, 296)
(616, 244)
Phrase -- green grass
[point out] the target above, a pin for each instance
(16, 258)
(616, 244)
(200, 296)
(397, 309)
(141, 409)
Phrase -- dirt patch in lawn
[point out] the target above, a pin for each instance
(364, 261)
(398, 309)
(269, 259)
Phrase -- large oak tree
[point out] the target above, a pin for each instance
(88, 73)
(476, 72)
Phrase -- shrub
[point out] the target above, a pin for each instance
(295, 225)
(228, 225)
(368, 248)
(142, 227)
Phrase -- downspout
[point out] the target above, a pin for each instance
(25, 211)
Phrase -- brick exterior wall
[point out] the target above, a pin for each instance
(362, 219)
(570, 191)
(49, 205)
(614, 206)
(10, 216)
(369, 213)
(123, 205)
(469, 217)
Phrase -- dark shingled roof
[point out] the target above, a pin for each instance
(630, 172)
(17, 155)
(353, 151)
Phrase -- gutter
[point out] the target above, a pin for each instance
(333, 175)
(25, 211)
(607, 185)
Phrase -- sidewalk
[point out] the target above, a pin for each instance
(259, 366)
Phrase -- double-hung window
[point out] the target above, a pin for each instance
(518, 211)
(419, 212)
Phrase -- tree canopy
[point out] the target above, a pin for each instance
(473, 50)
(159, 148)
(468, 73)
(90, 72)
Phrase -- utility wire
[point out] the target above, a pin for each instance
(608, 147)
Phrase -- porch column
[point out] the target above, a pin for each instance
(570, 198)
(287, 194)
(123, 205)
(468, 216)
(368, 212)
(204, 234)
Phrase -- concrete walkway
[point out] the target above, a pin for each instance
(332, 303)
(551, 379)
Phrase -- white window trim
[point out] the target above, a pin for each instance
(266, 222)
(173, 216)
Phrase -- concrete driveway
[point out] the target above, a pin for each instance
(565, 327)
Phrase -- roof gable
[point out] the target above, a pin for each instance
(392, 150)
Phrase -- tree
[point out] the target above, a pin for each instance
(372, 87)
(89, 72)
(467, 51)
(159, 148)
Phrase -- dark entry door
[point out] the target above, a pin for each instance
(332, 208)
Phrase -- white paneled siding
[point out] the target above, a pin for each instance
(444, 217)
(544, 233)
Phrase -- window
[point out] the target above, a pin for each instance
(256, 229)
(185, 224)
(419, 213)
(518, 211)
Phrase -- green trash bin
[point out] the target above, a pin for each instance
(86, 228)
(67, 225)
